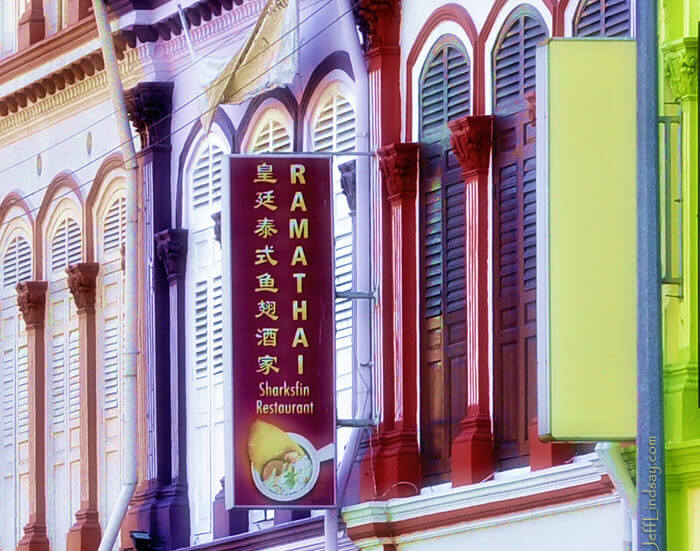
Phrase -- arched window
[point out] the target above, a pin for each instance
(514, 341)
(333, 129)
(14, 403)
(205, 407)
(444, 96)
(602, 18)
(110, 234)
(62, 383)
(271, 136)
(514, 58)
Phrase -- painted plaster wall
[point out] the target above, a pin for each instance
(598, 527)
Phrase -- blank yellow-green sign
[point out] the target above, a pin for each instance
(586, 239)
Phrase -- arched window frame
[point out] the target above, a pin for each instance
(62, 344)
(270, 110)
(203, 275)
(603, 13)
(523, 10)
(574, 7)
(536, 7)
(109, 304)
(445, 40)
(13, 337)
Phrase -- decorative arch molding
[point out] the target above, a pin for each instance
(113, 162)
(459, 15)
(282, 95)
(62, 181)
(222, 120)
(338, 60)
(12, 200)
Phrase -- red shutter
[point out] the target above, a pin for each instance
(515, 350)
(444, 96)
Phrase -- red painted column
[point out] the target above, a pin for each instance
(399, 465)
(472, 449)
(31, 299)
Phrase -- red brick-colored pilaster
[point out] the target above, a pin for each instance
(31, 25)
(380, 24)
(31, 298)
(472, 449)
(398, 462)
(85, 534)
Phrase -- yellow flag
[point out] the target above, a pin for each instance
(266, 60)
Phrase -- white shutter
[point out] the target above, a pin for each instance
(114, 226)
(111, 233)
(66, 246)
(272, 137)
(63, 446)
(205, 322)
(16, 264)
(206, 175)
(334, 130)
(13, 429)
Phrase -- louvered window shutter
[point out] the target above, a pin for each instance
(16, 264)
(14, 421)
(111, 233)
(63, 446)
(272, 138)
(610, 18)
(334, 131)
(66, 246)
(514, 59)
(204, 304)
(444, 96)
(114, 227)
(515, 268)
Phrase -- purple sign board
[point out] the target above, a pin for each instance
(283, 331)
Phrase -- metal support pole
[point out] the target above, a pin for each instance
(651, 487)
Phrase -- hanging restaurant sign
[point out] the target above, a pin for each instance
(282, 335)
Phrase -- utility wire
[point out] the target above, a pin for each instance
(173, 132)
(213, 49)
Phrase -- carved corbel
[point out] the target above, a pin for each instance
(171, 247)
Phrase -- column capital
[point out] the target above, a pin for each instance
(149, 106)
(398, 164)
(379, 23)
(31, 299)
(171, 246)
(82, 281)
(348, 177)
(471, 141)
(680, 62)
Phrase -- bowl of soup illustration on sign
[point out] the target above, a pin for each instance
(284, 465)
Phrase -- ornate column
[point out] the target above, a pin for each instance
(398, 464)
(31, 298)
(154, 508)
(379, 21)
(31, 24)
(85, 534)
(174, 519)
(472, 449)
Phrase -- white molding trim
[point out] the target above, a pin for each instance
(583, 470)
